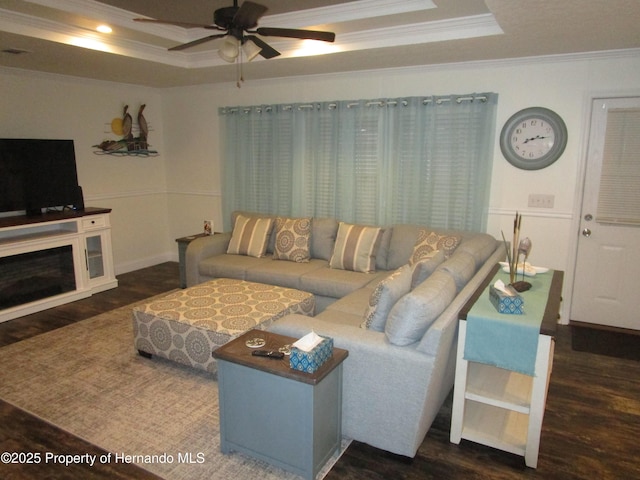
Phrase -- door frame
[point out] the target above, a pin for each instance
(585, 128)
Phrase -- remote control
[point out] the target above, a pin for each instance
(267, 353)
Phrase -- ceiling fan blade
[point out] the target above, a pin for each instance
(267, 50)
(295, 33)
(196, 42)
(177, 24)
(248, 15)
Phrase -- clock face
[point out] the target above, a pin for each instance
(533, 138)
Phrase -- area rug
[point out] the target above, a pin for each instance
(87, 379)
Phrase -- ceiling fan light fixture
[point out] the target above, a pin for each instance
(230, 49)
(250, 50)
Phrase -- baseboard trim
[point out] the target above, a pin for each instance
(141, 263)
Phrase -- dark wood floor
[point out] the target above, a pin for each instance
(590, 430)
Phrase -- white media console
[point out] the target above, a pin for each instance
(52, 259)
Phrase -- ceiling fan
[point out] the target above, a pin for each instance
(239, 26)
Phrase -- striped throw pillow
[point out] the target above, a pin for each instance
(250, 236)
(355, 248)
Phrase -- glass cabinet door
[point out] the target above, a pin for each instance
(95, 262)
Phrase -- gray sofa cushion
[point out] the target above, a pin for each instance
(385, 296)
(401, 245)
(480, 246)
(425, 267)
(283, 273)
(461, 266)
(323, 237)
(335, 283)
(230, 266)
(412, 315)
(383, 250)
(354, 304)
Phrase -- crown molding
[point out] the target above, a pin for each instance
(345, 12)
(630, 53)
(633, 53)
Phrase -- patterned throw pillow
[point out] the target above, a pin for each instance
(355, 248)
(250, 236)
(429, 241)
(293, 236)
(385, 296)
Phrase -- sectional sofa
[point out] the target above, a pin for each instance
(389, 295)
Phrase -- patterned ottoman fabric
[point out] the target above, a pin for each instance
(187, 325)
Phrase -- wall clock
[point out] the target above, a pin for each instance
(533, 138)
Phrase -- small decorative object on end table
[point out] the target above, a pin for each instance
(183, 243)
(270, 411)
(518, 247)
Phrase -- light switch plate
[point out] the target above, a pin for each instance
(539, 200)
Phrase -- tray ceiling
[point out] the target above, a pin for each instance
(59, 36)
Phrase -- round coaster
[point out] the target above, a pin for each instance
(255, 342)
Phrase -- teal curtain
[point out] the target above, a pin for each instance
(424, 160)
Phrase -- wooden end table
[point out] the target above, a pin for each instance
(269, 411)
(183, 243)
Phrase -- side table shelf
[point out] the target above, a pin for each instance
(501, 408)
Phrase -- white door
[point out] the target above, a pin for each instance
(608, 261)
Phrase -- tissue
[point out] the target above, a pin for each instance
(320, 349)
(308, 342)
(506, 299)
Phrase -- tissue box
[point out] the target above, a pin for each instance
(309, 362)
(505, 303)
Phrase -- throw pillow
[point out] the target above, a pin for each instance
(425, 267)
(323, 237)
(461, 267)
(414, 313)
(355, 248)
(384, 297)
(250, 236)
(293, 236)
(429, 241)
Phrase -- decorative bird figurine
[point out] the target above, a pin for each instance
(127, 122)
(524, 248)
(144, 128)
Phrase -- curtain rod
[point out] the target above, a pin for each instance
(332, 105)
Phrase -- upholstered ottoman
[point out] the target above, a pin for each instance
(187, 325)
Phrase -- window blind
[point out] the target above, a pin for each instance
(619, 195)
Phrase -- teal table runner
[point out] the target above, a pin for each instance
(504, 340)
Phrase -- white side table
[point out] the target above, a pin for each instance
(498, 407)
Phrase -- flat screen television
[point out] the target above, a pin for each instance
(38, 175)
